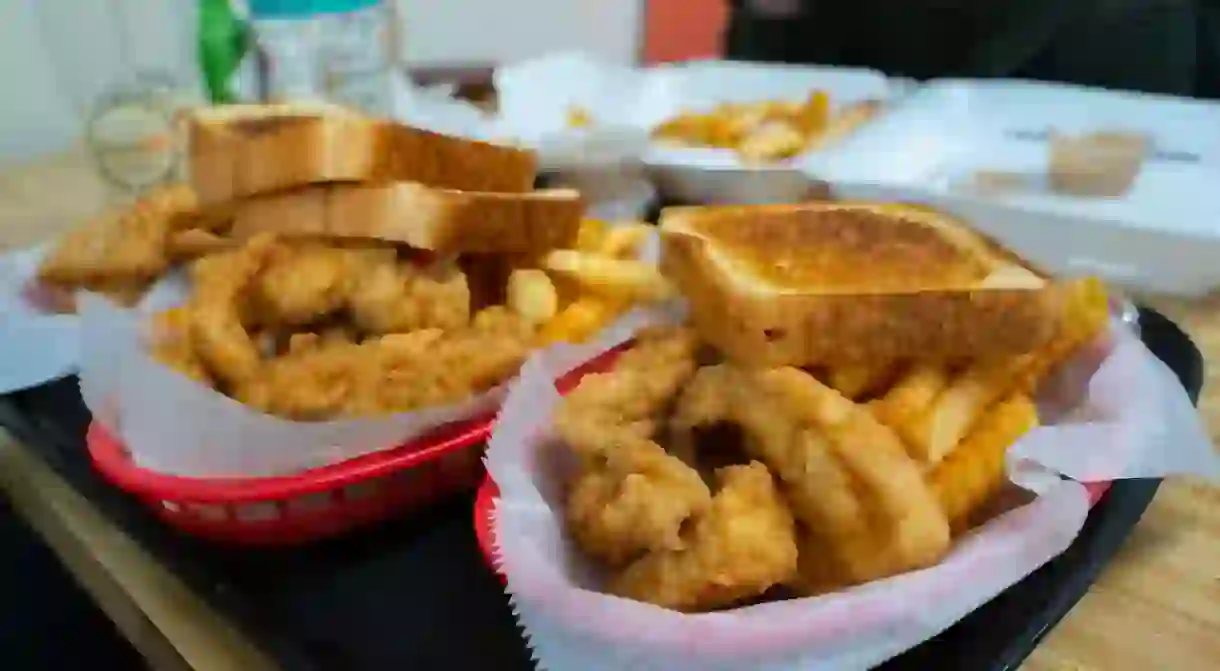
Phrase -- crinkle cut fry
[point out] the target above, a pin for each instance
(974, 472)
(849, 480)
(743, 545)
(933, 411)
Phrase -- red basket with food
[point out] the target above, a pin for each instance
(360, 299)
(316, 503)
(849, 446)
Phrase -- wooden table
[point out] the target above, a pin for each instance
(1156, 606)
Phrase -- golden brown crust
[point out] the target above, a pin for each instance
(902, 319)
(237, 157)
(435, 219)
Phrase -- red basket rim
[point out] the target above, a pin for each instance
(113, 461)
(489, 494)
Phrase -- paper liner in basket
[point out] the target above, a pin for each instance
(40, 345)
(174, 425)
(1134, 421)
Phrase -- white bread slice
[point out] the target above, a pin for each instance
(442, 220)
(238, 151)
(832, 282)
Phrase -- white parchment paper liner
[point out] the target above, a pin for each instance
(1134, 421)
(37, 346)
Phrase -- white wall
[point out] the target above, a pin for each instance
(57, 56)
(494, 31)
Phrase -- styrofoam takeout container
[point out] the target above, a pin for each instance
(537, 97)
(710, 175)
(1162, 235)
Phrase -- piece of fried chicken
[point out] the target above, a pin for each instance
(742, 546)
(629, 495)
(392, 373)
(121, 245)
(861, 498)
(634, 500)
(633, 396)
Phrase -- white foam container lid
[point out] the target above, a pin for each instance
(1163, 235)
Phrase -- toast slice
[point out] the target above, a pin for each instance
(443, 220)
(829, 282)
(238, 151)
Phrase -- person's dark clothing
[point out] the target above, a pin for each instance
(1162, 46)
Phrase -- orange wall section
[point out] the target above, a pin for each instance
(676, 30)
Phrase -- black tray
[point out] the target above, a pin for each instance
(415, 594)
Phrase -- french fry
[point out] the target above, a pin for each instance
(617, 278)
(579, 117)
(974, 471)
(193, 243)
(907, 399)
(591, 235)
(532, 295)
(767, 131)
(856, 381)
(579, 321)
(624, 240)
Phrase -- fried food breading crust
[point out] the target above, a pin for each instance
(631, 496)
(743, 545)
(122, 251)
(846, 475)
(878, 466)
(313, 328)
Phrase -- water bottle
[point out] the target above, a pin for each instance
(337, 50)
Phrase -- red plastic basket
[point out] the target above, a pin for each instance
(319, 502)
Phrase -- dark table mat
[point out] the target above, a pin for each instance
(415, 593)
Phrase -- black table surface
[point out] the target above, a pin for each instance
(415, 593)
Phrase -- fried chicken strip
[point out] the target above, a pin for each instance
(863, 501)
(391, 296)
(218, 307)
(632, 397)
(172, 344)
(743, 545)
(630, 496)
(121, 246)
(634, 501)
(391, 373)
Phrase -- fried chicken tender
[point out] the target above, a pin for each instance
(630, 495)
(464, 361)
(391, 373)
(218, 307)
(122, 246)
(390, 296)
(632, 499)
(171, 344)
(306, 281)
(743, 545)
(862, 500)
(631, 398)
(193, 243)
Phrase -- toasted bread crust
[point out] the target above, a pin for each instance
(236, 157)
(426, 218)
(812, 327)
